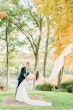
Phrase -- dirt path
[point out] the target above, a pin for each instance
(10, 100)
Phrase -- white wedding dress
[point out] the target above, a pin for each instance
(22, 96)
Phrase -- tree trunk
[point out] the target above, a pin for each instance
(45, 57)
(46, 51)
(37, 51)
(36, 56)
(35, 68)
(60, 77)
(36, 62)
(7, 56)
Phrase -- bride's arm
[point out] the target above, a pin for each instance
(31, 77)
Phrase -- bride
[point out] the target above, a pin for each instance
(22, 96)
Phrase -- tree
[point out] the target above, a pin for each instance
(16, 21)
(60, 12)
(60, 77)
(7, 35)
(30, 16)
(44, 7)
(9, 44)
(46, 48)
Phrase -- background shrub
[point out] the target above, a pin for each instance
(67, 83)
(46, 87)
(70, 88)
(2, 85)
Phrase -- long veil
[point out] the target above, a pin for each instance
(58, 64)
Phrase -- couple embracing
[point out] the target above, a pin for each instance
(21, 94)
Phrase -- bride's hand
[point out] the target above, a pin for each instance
(27, 79)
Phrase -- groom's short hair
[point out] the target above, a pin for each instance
(27, 62)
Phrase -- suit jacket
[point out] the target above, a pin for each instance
(21, 76)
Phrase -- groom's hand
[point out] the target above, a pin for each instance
(27, 79)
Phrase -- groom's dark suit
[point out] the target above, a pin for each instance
(22, 76)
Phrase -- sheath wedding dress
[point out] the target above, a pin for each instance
(22, 96)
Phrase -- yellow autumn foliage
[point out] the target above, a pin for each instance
(62, 42)
(61, 12)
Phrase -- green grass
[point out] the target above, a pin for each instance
(60, 90)
(60, 101)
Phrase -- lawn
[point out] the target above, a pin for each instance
(60, 101)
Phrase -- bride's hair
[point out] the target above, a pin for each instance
(37, 74)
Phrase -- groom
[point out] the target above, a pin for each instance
(23, 74)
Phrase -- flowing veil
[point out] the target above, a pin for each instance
(58, 64)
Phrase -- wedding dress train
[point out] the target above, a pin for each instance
(22, 96)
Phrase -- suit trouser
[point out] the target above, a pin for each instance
(17, 87)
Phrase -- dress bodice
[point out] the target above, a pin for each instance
(29, 83)
(30, 75)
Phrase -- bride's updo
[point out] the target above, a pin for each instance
(37, 74)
